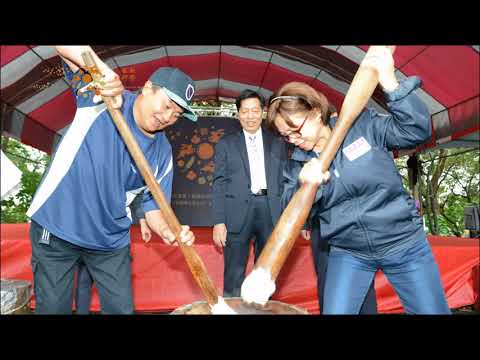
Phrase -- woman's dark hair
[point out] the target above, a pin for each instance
(300, 97)
(248, 94)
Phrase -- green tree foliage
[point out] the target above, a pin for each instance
(449, 181)
(459, 187)
(32, 164)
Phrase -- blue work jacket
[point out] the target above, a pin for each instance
(364, 207)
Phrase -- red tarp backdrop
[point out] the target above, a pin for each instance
(162, 281)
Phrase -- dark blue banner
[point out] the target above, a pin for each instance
(193, 146)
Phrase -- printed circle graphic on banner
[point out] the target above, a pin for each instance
(205, 151)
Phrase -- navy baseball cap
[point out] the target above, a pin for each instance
(179, 87)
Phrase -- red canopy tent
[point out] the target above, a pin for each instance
(37, 106)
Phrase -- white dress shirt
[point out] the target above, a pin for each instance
(256, 160)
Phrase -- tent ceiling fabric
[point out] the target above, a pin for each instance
(37, 105)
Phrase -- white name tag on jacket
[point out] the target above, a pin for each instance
(357, 149)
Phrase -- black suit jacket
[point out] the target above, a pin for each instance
(231, 183)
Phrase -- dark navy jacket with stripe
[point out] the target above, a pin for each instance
(364, 208)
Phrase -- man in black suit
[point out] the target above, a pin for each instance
(247, 188)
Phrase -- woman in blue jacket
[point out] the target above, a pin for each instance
(368, 218)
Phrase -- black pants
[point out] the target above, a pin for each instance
(54, 262)
(83, 293)
(320, 249)
(259, 224)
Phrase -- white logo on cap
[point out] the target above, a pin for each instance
(189, 92)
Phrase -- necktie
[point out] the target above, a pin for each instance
(253, 144)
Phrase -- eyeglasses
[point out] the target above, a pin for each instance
(306, 104)
(296, 131)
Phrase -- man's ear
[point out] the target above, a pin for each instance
(147, 88)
